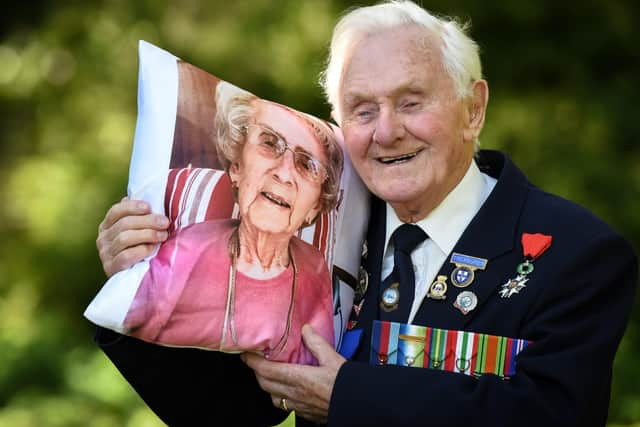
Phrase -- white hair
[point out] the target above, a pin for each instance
(460, 54)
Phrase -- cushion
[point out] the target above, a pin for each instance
(175, 168)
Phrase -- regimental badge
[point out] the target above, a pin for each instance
(464, 273)
(466, 301)
(390, 298)
(438, 289)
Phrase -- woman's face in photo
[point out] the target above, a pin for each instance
(277, 189)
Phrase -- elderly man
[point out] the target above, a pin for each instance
(459, 242)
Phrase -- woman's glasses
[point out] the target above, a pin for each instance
(274, 146)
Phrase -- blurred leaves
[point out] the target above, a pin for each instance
(564, 87)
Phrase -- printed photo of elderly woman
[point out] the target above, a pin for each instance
(249, 284)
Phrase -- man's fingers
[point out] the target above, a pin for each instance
(306, 388)
(127, 258)
(128, 234)
(132, 238)
(300, 408)
(318, 346)
(125, 207)
(138, 222)
(130, 256)
(280, 372)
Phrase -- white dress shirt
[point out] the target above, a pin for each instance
(444, 226)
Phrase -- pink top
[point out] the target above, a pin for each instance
(182, 298)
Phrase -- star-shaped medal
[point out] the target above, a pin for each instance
(513, 286)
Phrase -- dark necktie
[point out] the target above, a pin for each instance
(398, 288)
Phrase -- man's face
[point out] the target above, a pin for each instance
(404, 126)
(274, 197)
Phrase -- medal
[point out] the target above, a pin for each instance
(464, 273)
(466, 301)
(513, 286)
(533, 245)
(438, 289)
(410, 359)
(390, 298)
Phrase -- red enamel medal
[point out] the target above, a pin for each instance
(533, 245)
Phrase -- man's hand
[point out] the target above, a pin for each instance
(307, 389)
(128, 234)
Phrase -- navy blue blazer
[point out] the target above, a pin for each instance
(574, 308)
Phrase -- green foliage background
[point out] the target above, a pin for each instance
(564, 90)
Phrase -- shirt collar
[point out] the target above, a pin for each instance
(446, 223)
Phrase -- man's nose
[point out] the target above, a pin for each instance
(389, 127)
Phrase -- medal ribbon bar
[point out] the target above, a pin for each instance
(464, 352)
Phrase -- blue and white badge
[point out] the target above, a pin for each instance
(464, 273)
(390, 298)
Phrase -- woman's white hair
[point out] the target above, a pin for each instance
(460, 54)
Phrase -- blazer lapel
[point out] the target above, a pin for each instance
(490, 235)
(372, 265)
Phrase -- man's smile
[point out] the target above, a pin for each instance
(397, 159)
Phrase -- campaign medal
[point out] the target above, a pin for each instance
(438, 289)
(533, 245)
(413, 341)
(464, 273)
(390, 298)
(466, 301)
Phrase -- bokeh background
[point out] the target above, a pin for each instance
(564, 81)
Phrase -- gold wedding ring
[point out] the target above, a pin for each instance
(283, 404)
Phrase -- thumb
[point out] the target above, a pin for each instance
(319, 347)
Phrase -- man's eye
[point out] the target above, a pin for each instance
(410, 105)
(364, 114)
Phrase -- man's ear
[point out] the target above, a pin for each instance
(476, 106)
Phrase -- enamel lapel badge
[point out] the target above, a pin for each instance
(533, 245)
(390, 297)
(464, 273)
(466, 301)
(438, 289)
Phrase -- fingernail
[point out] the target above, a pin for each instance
(142, 205)
(162, 221)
